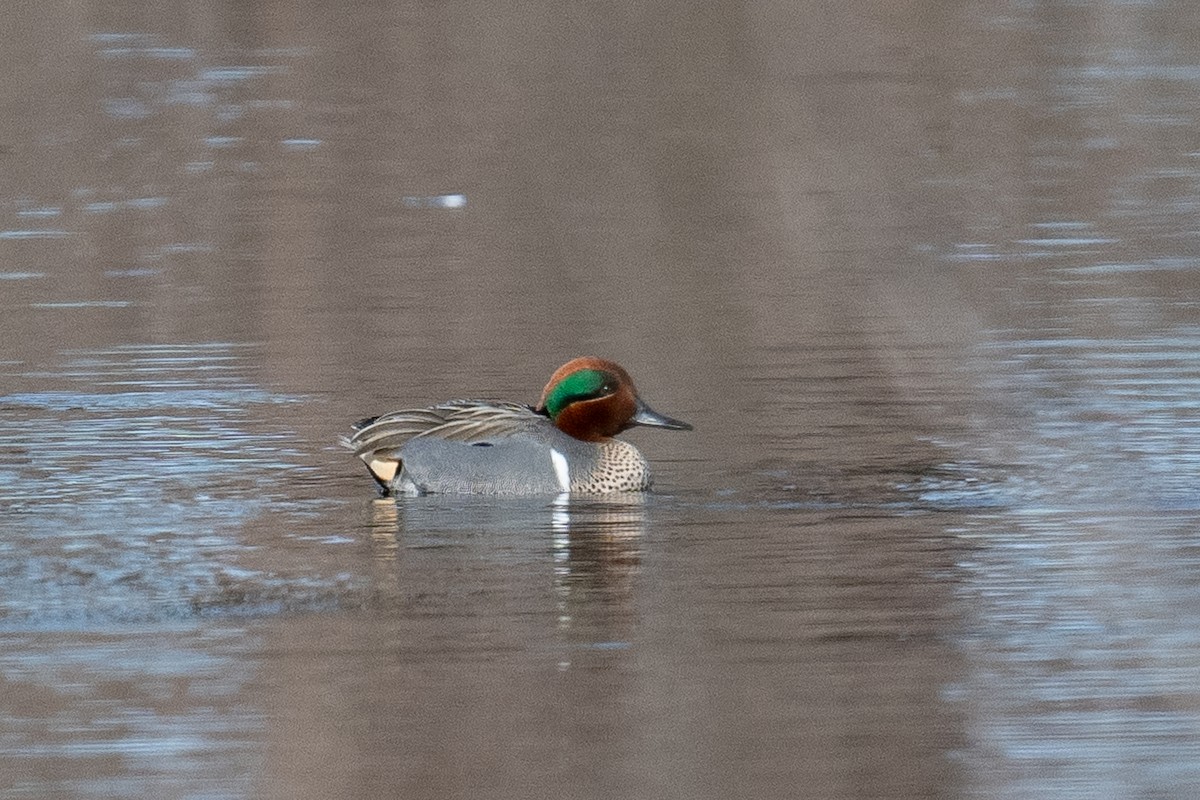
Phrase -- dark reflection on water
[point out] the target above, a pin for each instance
(925, 280)
(585, 552)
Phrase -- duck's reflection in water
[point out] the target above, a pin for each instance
(598, 545)
(575, 557)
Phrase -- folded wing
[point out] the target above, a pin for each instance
(378, 440)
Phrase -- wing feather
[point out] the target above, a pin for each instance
(455, 420)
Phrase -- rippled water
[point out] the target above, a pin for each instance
(925, 281)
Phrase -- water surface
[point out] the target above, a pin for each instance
(924, 279)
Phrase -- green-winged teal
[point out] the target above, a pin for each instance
(565, 444)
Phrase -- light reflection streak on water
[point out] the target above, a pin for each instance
(131, 506)
(1119, 413)
(127, 505)
(1085, 644)
(1080, 597)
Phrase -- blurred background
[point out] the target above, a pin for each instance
(925, 276)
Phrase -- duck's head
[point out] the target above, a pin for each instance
(593, 399)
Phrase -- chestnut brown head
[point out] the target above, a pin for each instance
(593, 399)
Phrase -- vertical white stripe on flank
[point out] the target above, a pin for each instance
(560, 470)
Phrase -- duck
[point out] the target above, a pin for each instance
(564, 444)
